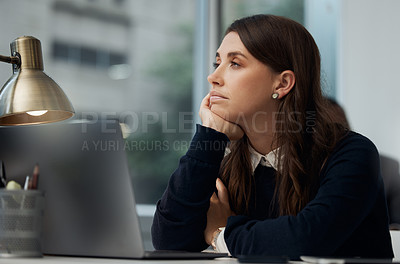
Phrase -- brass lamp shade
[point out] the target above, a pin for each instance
(30, 96)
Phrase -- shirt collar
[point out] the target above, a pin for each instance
(268, 160)
(256, 158)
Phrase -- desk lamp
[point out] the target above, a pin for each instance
(30, 96)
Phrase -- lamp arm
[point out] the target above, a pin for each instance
(11, 59)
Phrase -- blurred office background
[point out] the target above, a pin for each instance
(145, 62)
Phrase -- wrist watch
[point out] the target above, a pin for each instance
(215, 237)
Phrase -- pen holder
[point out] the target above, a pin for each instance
(21, 213)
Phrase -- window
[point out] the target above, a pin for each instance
(86, 56)
(125, 60)
(232, 10)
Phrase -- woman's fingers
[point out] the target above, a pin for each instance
(214, 198)
(206, 101)
(222, 192)
(214, 121)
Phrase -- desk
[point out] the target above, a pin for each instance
(71, 260)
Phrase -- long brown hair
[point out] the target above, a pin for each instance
(306, 128)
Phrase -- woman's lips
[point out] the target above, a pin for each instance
(216, 97)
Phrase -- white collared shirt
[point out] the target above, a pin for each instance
(268, 160)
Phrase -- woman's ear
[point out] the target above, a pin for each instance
(286, 81)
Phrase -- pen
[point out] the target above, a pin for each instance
(27, 181)
(3, 180)
(35, 177)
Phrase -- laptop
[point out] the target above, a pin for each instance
(89, 201)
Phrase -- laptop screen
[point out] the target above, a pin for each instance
(90, 208)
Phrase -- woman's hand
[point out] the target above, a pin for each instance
(212, 120)
(218, 213)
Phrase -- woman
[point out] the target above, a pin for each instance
(293, 179)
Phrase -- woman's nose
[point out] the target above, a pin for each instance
(215, 78)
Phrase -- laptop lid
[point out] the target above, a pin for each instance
(90, 207)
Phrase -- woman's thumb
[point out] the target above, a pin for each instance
(222, 192)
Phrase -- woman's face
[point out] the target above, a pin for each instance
(241, 85)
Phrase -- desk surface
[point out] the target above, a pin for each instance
(67, 260)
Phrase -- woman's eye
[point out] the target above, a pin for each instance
(234, 64)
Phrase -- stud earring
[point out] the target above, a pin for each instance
(275, 96)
